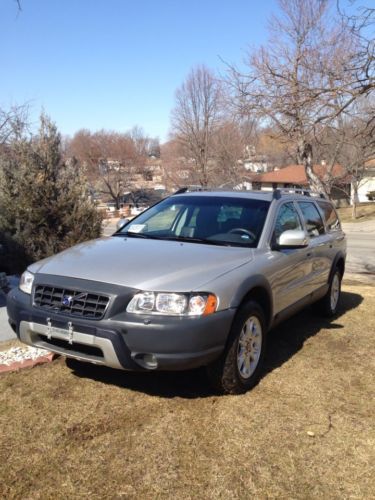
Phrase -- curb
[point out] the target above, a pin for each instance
(28, 363)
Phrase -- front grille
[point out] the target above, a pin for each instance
(72, 302)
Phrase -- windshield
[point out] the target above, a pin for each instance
(215, 220)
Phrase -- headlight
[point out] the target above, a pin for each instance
(26, 282)
(173, 304)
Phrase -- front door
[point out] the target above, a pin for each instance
(292, 268)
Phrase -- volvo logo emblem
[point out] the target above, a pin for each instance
(66, 300)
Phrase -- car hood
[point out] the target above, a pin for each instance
(145, 264)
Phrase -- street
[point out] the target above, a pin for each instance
(361, 250)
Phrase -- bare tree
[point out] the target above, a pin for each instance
(13, 123)
(19, 7)
(144, 145)
(196, 117)
(233, 142)
(112, 159)
(178, 170)
(305, 80)
(357, 140)
(360, 24)
(276, 151)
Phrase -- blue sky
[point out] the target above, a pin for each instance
(115, 64)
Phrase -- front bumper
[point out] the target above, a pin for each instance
(124, 341)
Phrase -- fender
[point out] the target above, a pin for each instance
(261, 287)
(339, 256)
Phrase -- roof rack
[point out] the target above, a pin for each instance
(188, 189)
(278, 192)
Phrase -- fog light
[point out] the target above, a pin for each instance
(150, 361)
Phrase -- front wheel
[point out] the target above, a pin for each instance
(239, 368)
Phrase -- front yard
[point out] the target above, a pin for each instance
(306, 431)
(365, 211)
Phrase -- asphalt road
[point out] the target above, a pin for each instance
(360, 263)
(361, 250)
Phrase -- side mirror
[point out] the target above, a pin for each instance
(121, 223)
(293, 238)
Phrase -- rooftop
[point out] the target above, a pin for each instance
(295, 174)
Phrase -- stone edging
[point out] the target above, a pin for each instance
(28, 363)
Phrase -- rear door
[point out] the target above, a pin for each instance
(333, 229)
(320, 242)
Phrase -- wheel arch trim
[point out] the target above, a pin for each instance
(258, 289)
(338, 261)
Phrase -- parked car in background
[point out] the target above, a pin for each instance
(196, 280)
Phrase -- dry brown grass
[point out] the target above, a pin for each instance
(365, 211)
(7, 344)
(82, 432)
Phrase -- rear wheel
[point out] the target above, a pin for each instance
(329, 304)
(239, 368)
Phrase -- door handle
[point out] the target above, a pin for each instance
(309, 254)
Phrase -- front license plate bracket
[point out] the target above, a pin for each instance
(52, 329)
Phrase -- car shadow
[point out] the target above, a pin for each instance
(284, 341)
(189, 384)
(289, 337)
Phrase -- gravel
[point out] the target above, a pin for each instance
(20, 354)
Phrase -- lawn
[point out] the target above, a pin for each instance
(306, 431)
(365, 211)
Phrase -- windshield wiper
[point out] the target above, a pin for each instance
(188, 239)
(137, 235)
(185, 239)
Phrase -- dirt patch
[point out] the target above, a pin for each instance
(306, 431)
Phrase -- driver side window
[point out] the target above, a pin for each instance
(287, 218)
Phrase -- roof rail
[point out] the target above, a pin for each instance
(181, 190)
(187, 189)
(278, 192)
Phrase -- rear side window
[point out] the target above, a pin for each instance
(329, 215)
(313, 220)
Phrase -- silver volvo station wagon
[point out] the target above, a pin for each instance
(196, 280)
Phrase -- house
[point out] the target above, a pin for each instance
(294, 176)
(253, 162)
(367, 183)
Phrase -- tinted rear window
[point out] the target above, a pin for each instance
(329, 215)
(313, 220)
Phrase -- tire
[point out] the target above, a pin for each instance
(329, 304)
(239, 367)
